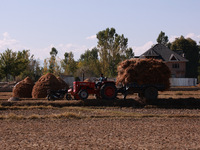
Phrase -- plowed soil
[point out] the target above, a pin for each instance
(40, 124)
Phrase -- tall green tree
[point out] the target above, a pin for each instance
(7, 60)
(162, 38)
(52, 64)
(129, 53)
(191, 52)
(52, 60)
(89, 63)
(21, 63)
(33, 69)
(13, 63)
(69, 64)
(45, 67)
(112, 49)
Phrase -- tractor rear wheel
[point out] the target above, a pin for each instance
(83, 94)
(108, 91)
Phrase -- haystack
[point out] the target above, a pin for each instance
(63, 84)
(45, 83)
(23, 89)
(143, 71)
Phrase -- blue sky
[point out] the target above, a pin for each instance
(39, 25)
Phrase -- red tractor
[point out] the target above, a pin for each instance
(102, 90)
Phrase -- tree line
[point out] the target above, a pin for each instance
(111, 49)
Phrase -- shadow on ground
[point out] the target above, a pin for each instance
(186, 103)
(189, 103)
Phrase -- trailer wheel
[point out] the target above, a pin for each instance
(68, 97)
(108, 91)
(83, 94)
(141, 95)
(151, 94)
(50, 98)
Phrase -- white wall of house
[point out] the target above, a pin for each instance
(183, 81)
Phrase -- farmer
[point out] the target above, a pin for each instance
(101, 79)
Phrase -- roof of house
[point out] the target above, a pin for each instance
(162, 52)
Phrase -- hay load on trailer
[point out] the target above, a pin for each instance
(144, 76)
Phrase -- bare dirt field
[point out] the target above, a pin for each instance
(171, 123)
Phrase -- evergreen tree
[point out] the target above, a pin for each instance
(162, 38)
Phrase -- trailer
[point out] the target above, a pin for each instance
(147, 92)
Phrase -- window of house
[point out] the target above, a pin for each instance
(175, 65)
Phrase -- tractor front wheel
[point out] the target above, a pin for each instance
(108, 91)
(83, 94)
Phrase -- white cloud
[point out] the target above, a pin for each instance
(138, 50)
(6, 35)
(41, 53)
(8, 42)
(172, 38)
(44, 53)
(193, 36)
(189, 35)
(91, 37)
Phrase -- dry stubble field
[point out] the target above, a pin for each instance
(172, 123)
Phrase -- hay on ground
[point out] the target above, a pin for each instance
(45, 83)
(23, 89)
(14, 99)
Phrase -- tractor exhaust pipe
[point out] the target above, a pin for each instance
(83, 76)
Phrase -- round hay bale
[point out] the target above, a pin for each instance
(143, 71)
(14, 99)
(23, 89)
(45, 83)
